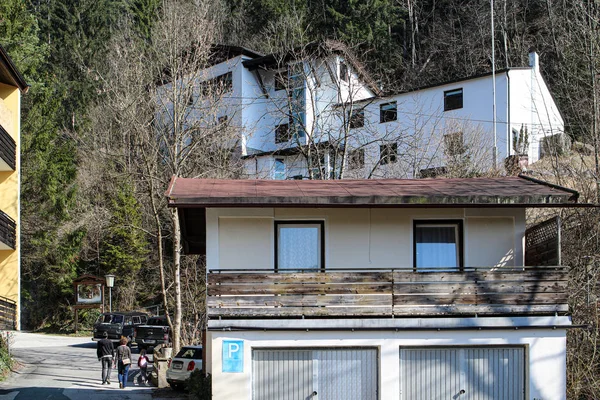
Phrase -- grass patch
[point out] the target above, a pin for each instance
(6, 361)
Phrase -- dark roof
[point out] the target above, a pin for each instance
(450, 82)
(291, 151)
(467, 192)
(315, 49)
(9, 74)
(226, 52)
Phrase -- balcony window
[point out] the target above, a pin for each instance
(453, 99)
(388, 112)
(279, 173)
(438, 245)
(299, 245)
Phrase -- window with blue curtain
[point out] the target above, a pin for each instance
(438, 245)
(299, 245)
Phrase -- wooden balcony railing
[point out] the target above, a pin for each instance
(8, 149)
(8, 231)
(386, 293)
(8, 313)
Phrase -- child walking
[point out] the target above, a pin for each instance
(143, 364)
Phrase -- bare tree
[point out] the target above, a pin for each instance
(160, 121)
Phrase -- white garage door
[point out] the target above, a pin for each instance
(319, 374)
(470, 373)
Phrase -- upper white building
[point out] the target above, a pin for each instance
(315, 113)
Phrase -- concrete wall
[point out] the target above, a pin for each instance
(545, 355)
(10, 114)
(362, 238)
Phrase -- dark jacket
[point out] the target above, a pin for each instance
(105, 348)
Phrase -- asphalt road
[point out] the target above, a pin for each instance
(66, 368)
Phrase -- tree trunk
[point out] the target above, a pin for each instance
(177, 279)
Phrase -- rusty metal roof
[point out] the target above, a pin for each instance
(519, 191)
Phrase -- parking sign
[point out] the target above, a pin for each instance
(233, 356)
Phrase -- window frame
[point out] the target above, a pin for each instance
(356, 159)
(356, 119)
(383, 114)
(288, 134)
(448, 105)
(441, 223)
(321, 225)
(392, 157)
(344, 72)
(275, 163)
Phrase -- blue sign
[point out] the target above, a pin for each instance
(233, 356)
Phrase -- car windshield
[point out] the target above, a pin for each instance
(190, 353)
(104, 319)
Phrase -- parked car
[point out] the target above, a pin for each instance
(155, 331)
(118, 324)
(182, 365)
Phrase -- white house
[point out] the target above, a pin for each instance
(314, 112)
(379, 289)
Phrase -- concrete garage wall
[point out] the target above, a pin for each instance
(362, 238)
(545, 355)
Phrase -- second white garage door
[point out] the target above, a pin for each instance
(319, 374)
(462, 373)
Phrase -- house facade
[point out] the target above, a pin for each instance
(379, 289)
(315, 113)
(12, 85)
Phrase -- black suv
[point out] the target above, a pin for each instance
(118, 324)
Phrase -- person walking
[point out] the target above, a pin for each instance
(124, 362)
(143, 364)
(105, 352)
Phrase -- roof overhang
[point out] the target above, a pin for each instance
(522, 191)
(9, 74)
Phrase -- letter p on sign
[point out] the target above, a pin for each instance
(233, 356)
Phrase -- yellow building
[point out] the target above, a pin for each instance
(12, 85)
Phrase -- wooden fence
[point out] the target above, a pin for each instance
(8, 314)
(397, 292)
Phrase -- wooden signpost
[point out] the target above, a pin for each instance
(89, 293)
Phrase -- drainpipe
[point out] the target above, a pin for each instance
(509, 148)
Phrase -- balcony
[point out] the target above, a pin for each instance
(8, 314)
(528, 291)
(8, 232)
(8, 151)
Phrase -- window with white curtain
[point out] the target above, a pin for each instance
(437, 244)
(298, 245)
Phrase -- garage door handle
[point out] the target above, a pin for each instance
(314, 393)
(462, 391)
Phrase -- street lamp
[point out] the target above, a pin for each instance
(110, 282)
